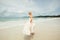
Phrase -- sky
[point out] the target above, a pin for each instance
(20, 8)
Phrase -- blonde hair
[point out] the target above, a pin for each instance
(30, 13)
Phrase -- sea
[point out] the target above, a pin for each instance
(13, 22)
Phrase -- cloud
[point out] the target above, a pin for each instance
(42, 7)
(47, 6)
(17, 5)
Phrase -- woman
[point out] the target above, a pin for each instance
(28, 28)
(31, 22)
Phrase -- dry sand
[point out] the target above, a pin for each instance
(47, 30)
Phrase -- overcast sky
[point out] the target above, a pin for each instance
(22, 7)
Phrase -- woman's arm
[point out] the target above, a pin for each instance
(31, 20)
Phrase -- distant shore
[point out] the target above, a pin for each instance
(53, 16)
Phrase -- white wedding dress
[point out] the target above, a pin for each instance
(27, 26)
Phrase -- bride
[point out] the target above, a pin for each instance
(29, 28)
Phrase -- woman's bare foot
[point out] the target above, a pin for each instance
(32, 35)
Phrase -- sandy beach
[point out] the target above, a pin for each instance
(44, 30)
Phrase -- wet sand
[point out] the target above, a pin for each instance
(47, 30)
